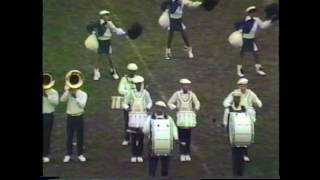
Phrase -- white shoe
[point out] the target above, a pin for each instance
(133, 159)
(188, 158)
(246, 158)
(66, 158)
(74, 143)
(190, 53)
(98, 74)
(182, 158)
(45, 159)
(82, 158)
(240, 71)
(259, 70)
(125, 143)
(140, 159)
(168, 54)
(115, 76)
(95, 76)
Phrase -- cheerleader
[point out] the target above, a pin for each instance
(248, 27)
(103, 30)
(175, 10)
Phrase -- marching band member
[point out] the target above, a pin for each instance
(103, 30)
(137, 100)
(249, 26)
(175, 10)
(124, 87)
(160, 108)
(187, 103)
(247, 100)
(50, 100)
(76, 101)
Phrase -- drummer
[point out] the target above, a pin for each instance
(124, 87)
(248, 99)
(186, 102)
(138, 100)
(160, 108)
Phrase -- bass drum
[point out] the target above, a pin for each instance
(162, 142)
(241, 130)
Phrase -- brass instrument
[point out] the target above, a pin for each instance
(48, 81)
(74, 79)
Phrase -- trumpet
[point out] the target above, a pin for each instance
(74, 80)
(48, 81)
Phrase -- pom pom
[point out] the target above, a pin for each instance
(209, 4)
(135, 30)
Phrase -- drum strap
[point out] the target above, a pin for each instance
(188, 99)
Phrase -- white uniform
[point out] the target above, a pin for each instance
(258, 24)
(110, 27)
(139, 101)
(49, 103)
(185, 102)
(248, 99)
(126, 85)
(75, 106)
(179, 11)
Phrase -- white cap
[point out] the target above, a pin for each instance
(243, 81)
(132, 67)
(236, 93)
(185, 81)
(251, 8)
(103, 12)
(161, 104)
(138, 79)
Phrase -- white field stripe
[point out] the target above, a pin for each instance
(140, 57)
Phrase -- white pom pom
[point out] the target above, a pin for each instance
(164, 19)
(91, 42)
(235, 39)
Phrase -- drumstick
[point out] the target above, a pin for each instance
(131, 131)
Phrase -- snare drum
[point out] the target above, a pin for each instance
(241, 130)
(136, 120)
(186, 119)
(162, 142)
(116, 102)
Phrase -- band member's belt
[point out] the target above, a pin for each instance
(248, 36)
(79, 114)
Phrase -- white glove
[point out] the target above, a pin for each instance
(183, 143)
(125, 106)
(120, 32)
(172, 106)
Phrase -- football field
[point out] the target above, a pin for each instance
(212, 71)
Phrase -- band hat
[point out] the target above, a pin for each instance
(251, 8)
(161, 104)
(104, 12)
(185, 81)
(138, 79)
(236, 93)
(242, 81)
(132, 67)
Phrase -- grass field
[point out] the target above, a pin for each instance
(212, 72)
